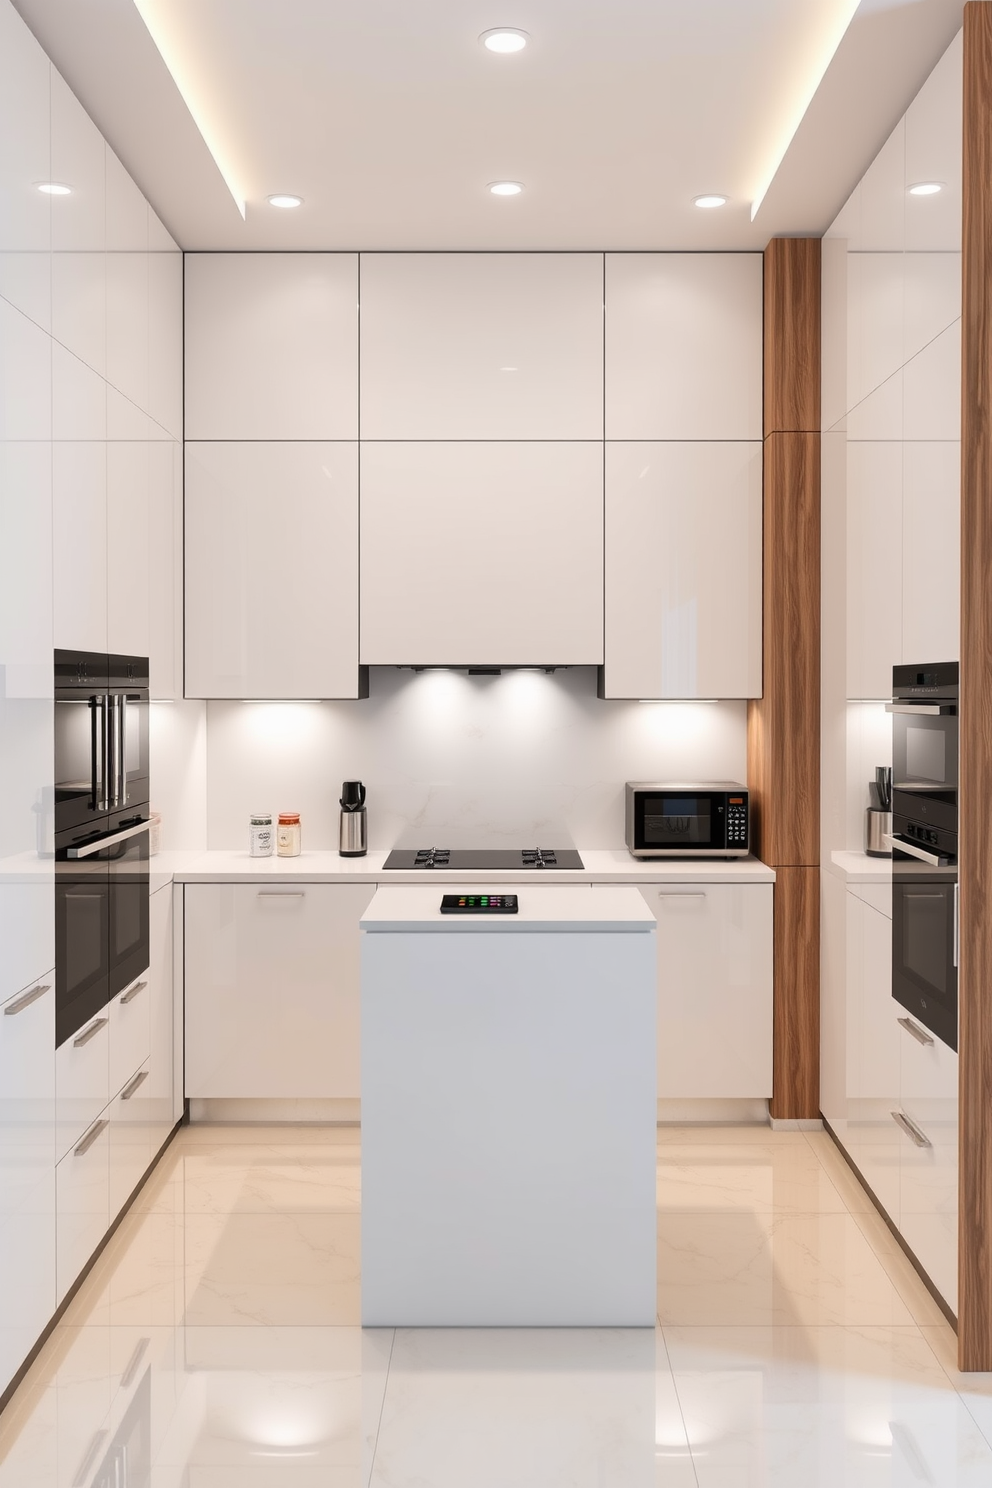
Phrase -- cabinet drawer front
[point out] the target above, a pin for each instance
(27, 1264)
(272, 990)
(130, 1139)
(27, 1092)
(82, 1186)
(130, 1028)
(82, 1081)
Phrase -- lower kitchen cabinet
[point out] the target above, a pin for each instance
(82, 1181)
(714, 990)
(872, 1137)
(27, 1170)
(158, 1088)
(272, 990)
(82, 1081)
(130, 1140)
(928, 1160)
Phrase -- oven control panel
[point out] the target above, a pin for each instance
(479, 904)
(736, 822)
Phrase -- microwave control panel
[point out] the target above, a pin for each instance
(736, 822)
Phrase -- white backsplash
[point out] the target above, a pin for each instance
(524, 758)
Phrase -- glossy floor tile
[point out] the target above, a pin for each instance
(217, 1337)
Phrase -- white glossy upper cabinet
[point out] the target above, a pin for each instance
(931, 544)
(79, 236)
(933, 153)
(874, 566)
(129, 556)
(127, 285)
(165, 329)
(271, 346)
(164, 573)
(272, 570)
(482, 554)
(482, 346)
(683, 346)
(683, 570)
(25, 158)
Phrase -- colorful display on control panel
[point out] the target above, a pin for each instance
(479, 904)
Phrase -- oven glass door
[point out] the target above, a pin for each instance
(692, 822)
(127, 865)
(924, 753)
(82, 943)
(924, 952)
(81, 773)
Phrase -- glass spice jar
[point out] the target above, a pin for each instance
(288, 835)
(260, 836)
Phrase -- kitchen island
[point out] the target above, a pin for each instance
(508, 1110)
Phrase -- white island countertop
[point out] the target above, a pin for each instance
(601, 865)
(547, 908)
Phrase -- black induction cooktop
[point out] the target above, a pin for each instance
(485, 860)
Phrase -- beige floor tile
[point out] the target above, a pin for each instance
(838, 1169)
(248, 1180)
(763, 1180)
(759, 1135)
(752, 1269)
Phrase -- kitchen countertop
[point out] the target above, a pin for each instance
(579, 908)
(602, 865)
(858, 867)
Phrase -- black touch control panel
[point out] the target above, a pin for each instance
(736, 821)
(479, 904)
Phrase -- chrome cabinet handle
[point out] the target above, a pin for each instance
(926, 710)
(917, 1033)
(134, 1363)
(677, 894)
(91, 1136)
(89, 1033)
(122, 742)
(957, 927)
(25, 1000)
(911, 1129)
(111, 841)
(130, 1088)
(115, 751)
(936, 860)
(132, 993)
(282, 893)
(85, 1467)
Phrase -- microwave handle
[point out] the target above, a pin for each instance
(925, 710)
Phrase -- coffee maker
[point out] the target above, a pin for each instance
(353, 841)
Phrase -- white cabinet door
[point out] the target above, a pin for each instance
(129, 1150)
(874, 573)
(683, 345)
(714, 990)
(25, 128)
(82, 1189)
(482, 346)
(82, 1081)
(127, 285)
(79, 505)
(27, 1171)
(130, 559)
(272, 570)
(79, 230)
(683, 570)
(27, 875)
(931, 544)
(272, 990)
(271, 346)
(165, 337)
(164, 570)
(873, 1138)
(482, 554)
(928, 1213)
(158, 1093)
(130, 1031)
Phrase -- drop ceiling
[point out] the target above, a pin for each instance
(390, 119)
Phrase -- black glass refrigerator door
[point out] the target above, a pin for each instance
(82, 943)
(924, 945)
(127, 868)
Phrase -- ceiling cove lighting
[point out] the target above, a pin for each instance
(54, 188)
(708, 202)
(926, 188)
(282, 199)
(832, 30)
(166, 31)
(504, 39)
(505, 188)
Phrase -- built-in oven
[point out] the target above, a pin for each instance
(925, 932)
(101, 736)
(101, 917)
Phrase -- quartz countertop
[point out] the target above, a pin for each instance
(560, 908)
(858, 867)
(602, 865)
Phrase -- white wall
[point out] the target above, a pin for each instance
(521, 758)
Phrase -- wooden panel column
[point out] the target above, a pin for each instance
(975, 859)
(784, 724)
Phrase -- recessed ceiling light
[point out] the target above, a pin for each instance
(54, 188)
(505, 188)
(707, 202)
(281, 200)
(926, 188)
(504, 39)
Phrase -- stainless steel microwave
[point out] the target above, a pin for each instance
(708, 819)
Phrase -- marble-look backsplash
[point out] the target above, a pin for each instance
(516, 759)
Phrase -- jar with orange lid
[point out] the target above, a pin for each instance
(288, 835)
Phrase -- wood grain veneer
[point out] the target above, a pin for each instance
(792, 336)
(796, 1058)
(975, 860)
(784, 724)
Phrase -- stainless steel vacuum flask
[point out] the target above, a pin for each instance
(353, 841)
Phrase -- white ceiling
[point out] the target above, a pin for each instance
(390, 119)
